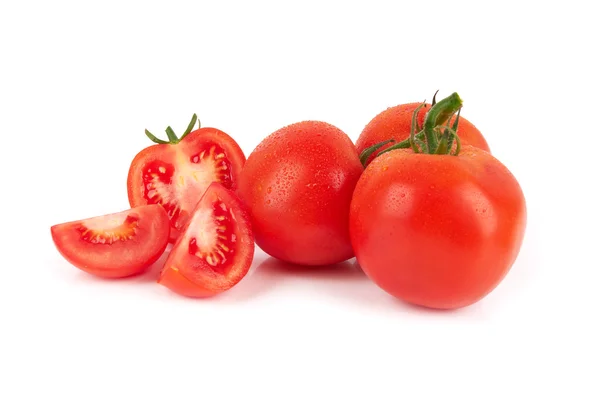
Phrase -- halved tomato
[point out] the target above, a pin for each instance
(176, 173)
(114, 245)
(215, 250)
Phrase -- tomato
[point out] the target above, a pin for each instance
(176, 173)
(298, 185)
(395, 122)
(215, 250)
(437, 230)
(114, 245)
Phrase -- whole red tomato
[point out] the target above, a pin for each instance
(395, 122)
(176, 173)
(437, 230)
(298, 185)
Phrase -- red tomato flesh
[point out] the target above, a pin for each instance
(215, 250)
(177, 175)
(114, 245)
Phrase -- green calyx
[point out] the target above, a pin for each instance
(436, 136)
(173, 139)
(364, 156)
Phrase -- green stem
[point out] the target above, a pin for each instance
(443, 143)
(414, 126)
(457, 145)
(455, 130)
(414, 139)
(434, 101)
(171, 135)
(173, 139)
(437, 115)
(364, 156)
(434, 138)
(190, 126)
(405, 144)
(154, 138)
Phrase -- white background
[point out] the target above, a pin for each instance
(80, 81)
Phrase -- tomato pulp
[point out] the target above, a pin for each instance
(175, 174)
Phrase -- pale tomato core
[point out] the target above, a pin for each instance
(211, 236)
(178, 186)
(109, 229)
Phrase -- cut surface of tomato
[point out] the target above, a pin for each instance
(176, 174)
(215, 250)
(114, 245)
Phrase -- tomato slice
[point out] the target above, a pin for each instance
(176, 174)
(215, 250)
(114, 245)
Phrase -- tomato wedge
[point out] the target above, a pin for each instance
(215, 250)
(176, 173)
(114, 245)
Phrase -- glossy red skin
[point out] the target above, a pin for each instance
(298, 185)
(182, 153)
(121, 258)
(395, 123)
(190, 275)
(437, 231)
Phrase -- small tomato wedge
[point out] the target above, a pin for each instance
(176, 173)
(114, 245)
(215, 250)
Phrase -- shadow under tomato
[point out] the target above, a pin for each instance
(341, 281)
(418, 309)
(152, 273)
(256, 283)
(347, 270)
(344, 282)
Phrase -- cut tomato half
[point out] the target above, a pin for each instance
(215, 250)
(176, 173)
(114, 245)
